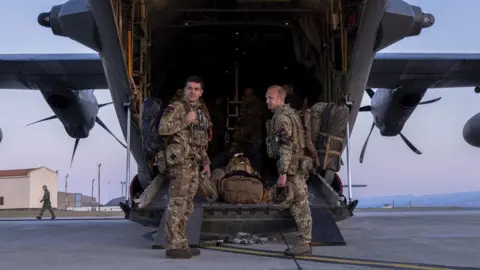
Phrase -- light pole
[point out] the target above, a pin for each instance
(92, 200)
(109, 197)
(99, 165)
(122, 183)
(66, 187)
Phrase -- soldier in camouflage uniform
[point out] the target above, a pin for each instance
(179, 94)
(185, 128)
(286, 143)
(47, 204)
(248, 132)
(292, 98)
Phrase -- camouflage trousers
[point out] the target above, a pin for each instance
(46, 206)
(182, 191)
(300, 207)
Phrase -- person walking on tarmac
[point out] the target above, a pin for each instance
(285, 142)
(185, 128)
(47, 204)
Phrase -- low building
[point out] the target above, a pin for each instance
(22, 188)
(68, 200)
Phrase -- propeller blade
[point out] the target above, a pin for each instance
(362, 154)
(104, 104)
(370, 92)
(45, 119)
(430, 101)
(100, 122)
(365, 108)
(410, 145)
(74, 150)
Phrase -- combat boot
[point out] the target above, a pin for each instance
(299, 250)
(54, 217)
(39, 217)
(179, 253)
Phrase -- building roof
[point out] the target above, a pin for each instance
(19, 172)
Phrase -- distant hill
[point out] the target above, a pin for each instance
(460, 199)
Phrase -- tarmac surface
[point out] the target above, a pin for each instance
(447, 239)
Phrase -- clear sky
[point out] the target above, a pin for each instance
(389, 167)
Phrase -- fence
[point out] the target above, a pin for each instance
(90, 209)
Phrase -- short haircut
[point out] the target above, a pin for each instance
(194, 79)
(281, 91)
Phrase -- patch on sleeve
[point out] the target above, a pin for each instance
(282, 136)
(169, 109)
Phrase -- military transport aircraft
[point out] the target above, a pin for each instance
(146, 48)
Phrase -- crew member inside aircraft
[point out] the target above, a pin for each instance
(292, 98)
(179, 94)
(185, 128)
(285, 142)
(248, 134)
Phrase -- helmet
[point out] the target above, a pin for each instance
(282, 197)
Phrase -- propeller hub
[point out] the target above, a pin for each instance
(78, 132)
(388, 133)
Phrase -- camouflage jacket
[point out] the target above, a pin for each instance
(285, 139)
(46, 197)
(185, 141)
(249, 123)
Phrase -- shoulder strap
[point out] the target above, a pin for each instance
(297, 128)
(326, 117)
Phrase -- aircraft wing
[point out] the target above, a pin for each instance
(70, 71)
(389, 70)
(430, 70)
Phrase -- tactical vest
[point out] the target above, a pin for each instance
(189, 142)
(272, 141)
(200, 131)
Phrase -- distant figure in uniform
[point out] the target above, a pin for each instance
(292, 98)
(185, 128)
(47, 204)
(249, 128)
(285, 142)
(179, 95)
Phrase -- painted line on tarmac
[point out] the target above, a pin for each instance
(336, 260)
(60, 219)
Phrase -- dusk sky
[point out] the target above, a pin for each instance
(389, 167)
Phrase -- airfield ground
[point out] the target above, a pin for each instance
(58, 213)
(63, 213)
(447, 239)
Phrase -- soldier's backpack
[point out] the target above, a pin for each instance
(239, 187)
(240, 184)
(325, 130)
(152, 111)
